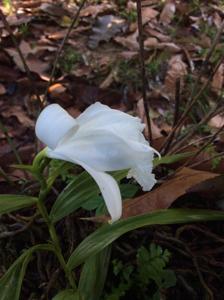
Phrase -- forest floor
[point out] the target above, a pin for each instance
(100, 61)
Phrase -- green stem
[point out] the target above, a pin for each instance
(54, 237)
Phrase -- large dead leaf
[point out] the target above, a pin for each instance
(167, 193)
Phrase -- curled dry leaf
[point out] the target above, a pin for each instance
(167, 193)
(168, 12)
(176, 70)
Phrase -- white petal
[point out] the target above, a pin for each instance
(142, 174)
(110, 192)
(103, 150)
(53, 123)
(101, 116)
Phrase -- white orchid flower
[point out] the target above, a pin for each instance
(101, 139)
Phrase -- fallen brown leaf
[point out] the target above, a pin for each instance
(148, 14)
(167, 193)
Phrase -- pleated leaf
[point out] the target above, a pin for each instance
(80, 190)
(9, 203)
(11, 281)
(94, 274)
(108, 233)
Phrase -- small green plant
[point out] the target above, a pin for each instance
(154, 68)
(131, 16)
(147, 278)
(69, 59)
(129, 74)
(24, 29)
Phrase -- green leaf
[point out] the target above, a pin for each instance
(38, 159)
(169, 279)
(170, 159)
(54, 171)
(23, 167)
(68, 295)
(105, 235)
(9, 203)
(11, 281)
(94, 274)
(80, 190)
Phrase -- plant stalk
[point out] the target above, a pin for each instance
(54, 237)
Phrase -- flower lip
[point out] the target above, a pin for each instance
(53, 124)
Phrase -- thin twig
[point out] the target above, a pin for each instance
(221, 154)
(25, 66)
(214, 44)
(58, 54)
(186, 146)
(185, 139)
(204, 146)
(207, 58)
(190, 105)
(142, 63)
(7, 234)
(177, 102)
